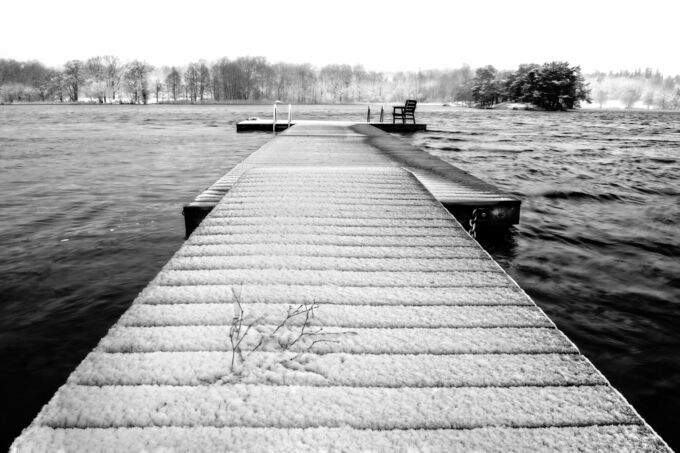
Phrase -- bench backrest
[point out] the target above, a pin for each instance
(410, 106)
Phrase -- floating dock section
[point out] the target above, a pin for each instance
(362, 144)
(334, 304)
(268, 126)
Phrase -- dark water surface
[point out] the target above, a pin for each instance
(93, 194)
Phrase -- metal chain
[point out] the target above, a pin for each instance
(476, 214)
(473, 223)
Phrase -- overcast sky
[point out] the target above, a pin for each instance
(381, 35)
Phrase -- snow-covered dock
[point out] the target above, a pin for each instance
(328, 306)
(282, 125)
(360, 144)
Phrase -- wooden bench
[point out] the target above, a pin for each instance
(408, 111)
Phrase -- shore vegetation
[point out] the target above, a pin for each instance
(107, 79)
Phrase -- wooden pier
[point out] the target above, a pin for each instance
(360, 144)
(281, 125)
(333, 303)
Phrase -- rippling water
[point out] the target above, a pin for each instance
(92, 211)
(598, 246)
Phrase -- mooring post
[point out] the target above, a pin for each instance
(382, 112)
(289, 114)
(368, 115)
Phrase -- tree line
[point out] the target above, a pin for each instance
(103, 79)
(108, 79)
(632, 88)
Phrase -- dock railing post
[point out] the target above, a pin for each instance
(368, 115)
(382, 112)
(289, 114)
(274, 122)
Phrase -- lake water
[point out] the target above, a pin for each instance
(92, 210)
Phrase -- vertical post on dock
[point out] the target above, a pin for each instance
(289, 114)
(368, 115)
(274, 123)
(382, 112)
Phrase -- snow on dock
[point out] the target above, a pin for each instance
(334, 307)
(360, 144)
(281, 125)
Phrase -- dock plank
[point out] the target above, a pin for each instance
(599, 438)
(353, 340)
(366, 316)
(290, 406)
(346, 370)
(336, 295)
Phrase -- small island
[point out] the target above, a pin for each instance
(551, 86)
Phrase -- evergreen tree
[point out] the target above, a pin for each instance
(560, 87)
(485, 88)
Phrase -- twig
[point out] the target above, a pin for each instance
(235, 336)
(309, 348)
(302, 330)
(237, 333)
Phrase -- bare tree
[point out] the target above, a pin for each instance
(359, 77)
(112, 75)
(74, 74)
(306, 82)
(630, 97)
(203, 79)
(95, 72)
(136, 76)
(173, 81)
(336, 80)
(252, 72)
(191, 80)
(158, 86)
(601, 97)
